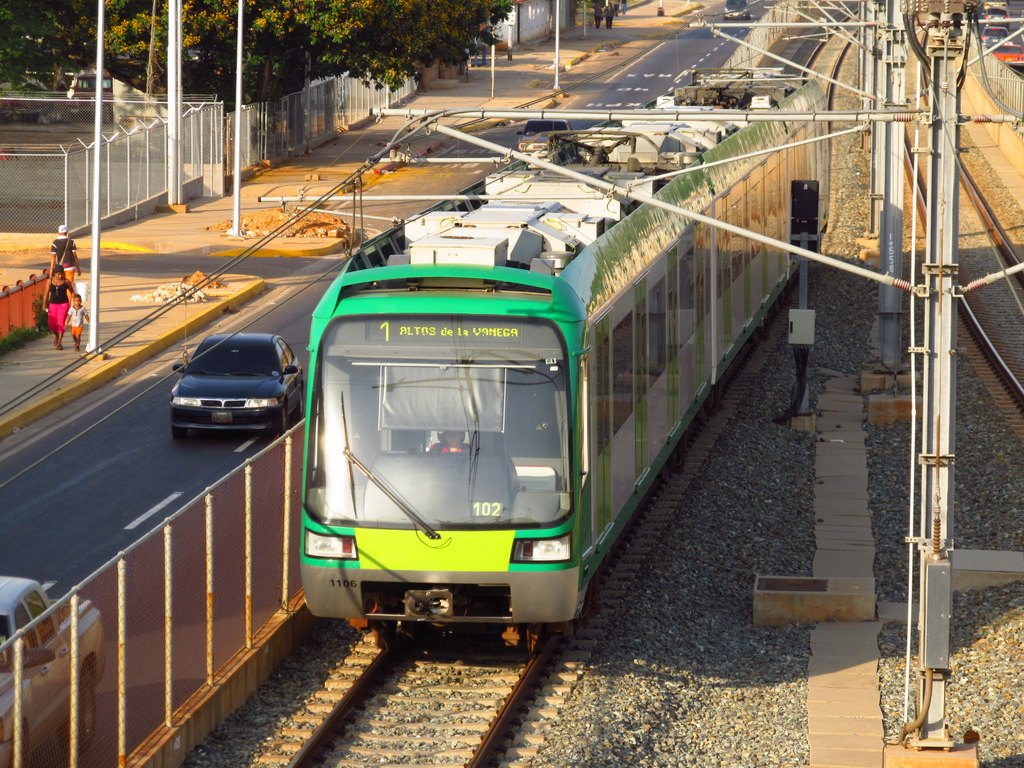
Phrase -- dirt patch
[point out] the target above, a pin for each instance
(170, 291)
(262, 223)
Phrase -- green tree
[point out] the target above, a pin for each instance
(381, 40)
(386, 40)
(31, 52)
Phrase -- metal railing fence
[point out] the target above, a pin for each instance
(763, 35)
(176, 607)
(1006, 84)
(295, 123)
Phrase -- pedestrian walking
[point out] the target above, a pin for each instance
(57, 302)
(609, 11)
(623, 9)
(597, 15)
(63, 253)
(77, 316)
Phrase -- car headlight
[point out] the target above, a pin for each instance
(262, 402)
(331, 547)
(542, 550)
(188, 402)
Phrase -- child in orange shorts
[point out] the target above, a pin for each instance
(77, 316)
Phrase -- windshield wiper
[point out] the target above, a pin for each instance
(398, 501)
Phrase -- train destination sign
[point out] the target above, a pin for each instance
(441, 330)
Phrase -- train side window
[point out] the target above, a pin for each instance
(623, 374)
(657, 330)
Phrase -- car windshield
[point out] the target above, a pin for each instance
(539, 126)
(447, 421)
(232, 357)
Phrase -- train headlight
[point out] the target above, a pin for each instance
(542, 550)
(331, 547)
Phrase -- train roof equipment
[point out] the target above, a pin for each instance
(732, 88)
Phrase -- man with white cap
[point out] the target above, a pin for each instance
(64, 253)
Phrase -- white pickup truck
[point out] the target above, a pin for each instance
(46, 679)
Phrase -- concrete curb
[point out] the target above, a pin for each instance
(330, 249)
(98, 371)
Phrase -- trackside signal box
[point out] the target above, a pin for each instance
(801, 327)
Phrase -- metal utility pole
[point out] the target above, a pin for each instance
(890, 232)
(174, 174)
(944, 45)
(876, 12)
(97, 176)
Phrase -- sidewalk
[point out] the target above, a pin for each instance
(527, 77)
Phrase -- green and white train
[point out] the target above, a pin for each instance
(569, 344)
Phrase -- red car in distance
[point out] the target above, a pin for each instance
(1010, 54)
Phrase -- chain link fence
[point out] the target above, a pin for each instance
(156, 627)
(46, 148)
(47, 183)
(302, 121)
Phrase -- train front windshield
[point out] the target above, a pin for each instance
(439, 422)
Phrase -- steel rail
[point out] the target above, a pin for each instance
(968, 316)
(311, 752)
(495, 737)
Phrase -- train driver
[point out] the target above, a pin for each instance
(450, 442)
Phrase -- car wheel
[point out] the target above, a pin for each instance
(177, 432)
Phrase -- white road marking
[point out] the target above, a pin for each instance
(246, 444)
(153, 510)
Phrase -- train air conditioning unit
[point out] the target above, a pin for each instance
(481, 251)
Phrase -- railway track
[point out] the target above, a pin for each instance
(992, 315)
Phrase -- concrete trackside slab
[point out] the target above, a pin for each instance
(854, 533)
(802, 600)
(849, 487)
(982, 568)
(841, 436)
(836, 503)
(824, 664)
(858, 698)
(892, 612)
(830, 563)
(859, 713)
(851, 462)
(869, 726)
(853, 741)
(824, 757)
(834, 634)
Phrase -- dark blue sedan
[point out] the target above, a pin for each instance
(247, 381)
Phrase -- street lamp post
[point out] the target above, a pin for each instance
(236, 155)
(97, 148)
(558, 27)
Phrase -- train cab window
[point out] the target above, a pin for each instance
(386, 394)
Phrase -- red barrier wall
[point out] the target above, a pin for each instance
(16, 303)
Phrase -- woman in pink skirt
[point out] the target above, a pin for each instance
(57, 302)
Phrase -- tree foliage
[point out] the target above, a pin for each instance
(30, 50)
(285, 40)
